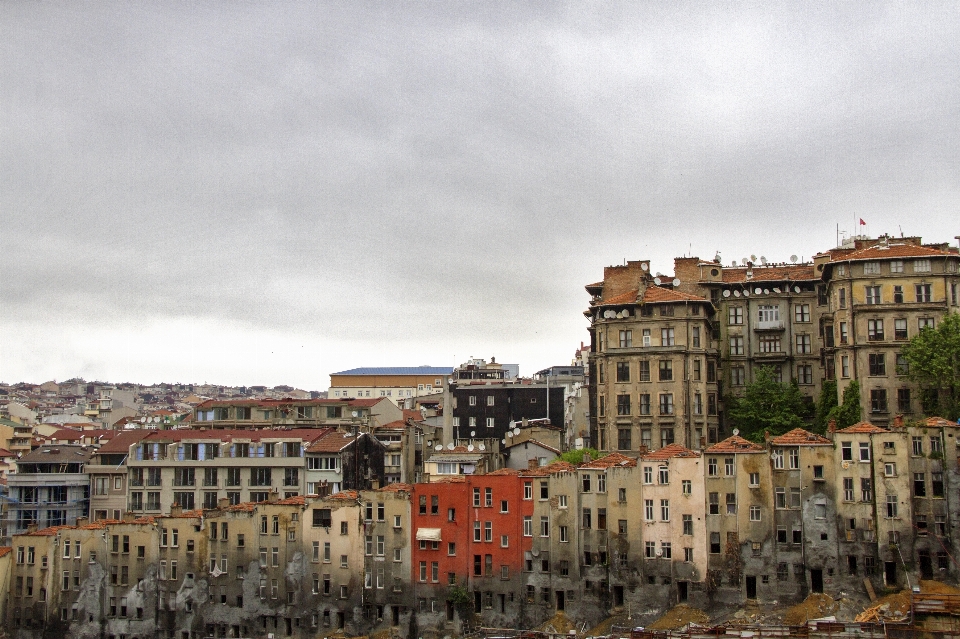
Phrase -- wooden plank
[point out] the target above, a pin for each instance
(869, 586)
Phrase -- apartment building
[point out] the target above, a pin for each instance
(653, 365)
(50, 488)
(196, 468)
(345, 461)
(295, 413)
(395, 383)
(109, 475)
(388, 598)
(879, 296)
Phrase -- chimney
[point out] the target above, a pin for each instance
(323, 489)
(703, 442)
(223, 503)
(523, 422)
(898, 421)
(32, 528)
(586, 458)
(374, 484)
(176, 510)
(532, 463)
(766, 435)
(128, 516)
(82, 521)
(832, 426)
(274, 495)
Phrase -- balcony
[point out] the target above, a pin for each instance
(768, 325)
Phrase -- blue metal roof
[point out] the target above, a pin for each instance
(398, 370)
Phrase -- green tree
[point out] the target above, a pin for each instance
(849, 411)
(825, 404)
(933, 362)
(576, 456)
(767, 405)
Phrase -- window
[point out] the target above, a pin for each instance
(687, 524)
(735, 315)
(877, 363)
(695, 335)
(623, 439)
(666, 404)
(714, 503)
(664, 510)
(544, 526)
(804, 344)
(871, 268)
(666, 370)
(923, 293)
(848, 488)
(527, 526)
(644, 370)
(623, 404)
(714, 543)
(626, 339)
(767, 313)
(777, 458)
(644, 404)
(845, 366)
(736, 345)
(754, 513)
(770, 344)
(780, 497)
(729, 467)
(667, 337)
(864, 451)
(866, 489)
(878, 400)
(891, 506)
(712, 467)
(872, 295)
(921, 266)
(731, 503)
(805, 374)
(890, 469)
(843, 333)
(585, 482)
(801, 312)
(737, 376)
(842, 294)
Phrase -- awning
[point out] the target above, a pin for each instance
(428, 534)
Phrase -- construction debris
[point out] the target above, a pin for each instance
(815, 606)
(678, 617)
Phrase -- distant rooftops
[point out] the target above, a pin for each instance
(398, 370)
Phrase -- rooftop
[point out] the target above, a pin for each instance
(669, 452)
(800, 437)
(863, 427)
(398, 370)
(735, 444)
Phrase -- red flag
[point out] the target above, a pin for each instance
(862, 223)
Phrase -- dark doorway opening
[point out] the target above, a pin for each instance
(890, 572)
(926, 565)
(816, 580)
(682, 590)
(561, 599)
(502, 600)
(449, 611)
(617, 596)
(751, 587)
(396, 615)
(340, 620)
(477, 602)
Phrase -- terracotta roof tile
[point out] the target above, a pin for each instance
(332, 442)
(878, 252)
(668, 452)
(5, 550)
(940, 422)
(344, 495)
(455, 479)
(629, 297)
(555, 451)
(660, 295)
(863, 427)
(296, 500)
(550, 469)
(609, 461)
(735, 444)
(415, 415)
(513, 472)
(396, 488)
(784, 273)
(800, 437)
(121, 443)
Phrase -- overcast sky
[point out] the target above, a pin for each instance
(265, 193)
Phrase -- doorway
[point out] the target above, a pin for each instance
(561, 599)
(617, 596)
(926, 565)
(682, 590)
(751, 587)
(816, 580)
(890, 572)
(396, 615)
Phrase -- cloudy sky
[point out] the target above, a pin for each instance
(264, 193)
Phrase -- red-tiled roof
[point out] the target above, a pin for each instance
(939, 422)
(504, 471)
(629, 297)
(800, 437)
(609, 461)
(227, 435)
(6, 453)
(879, 252)
(863, 427)
(344, 495)
(452, 479)
(122, 442)
(550, 469)
(783, 273)
(735, 444)
(555, 451)
(5, 550)
(332, 442)
(396, 488)
(660, 295)
(415, 415)
(296, 500)
(668, 452)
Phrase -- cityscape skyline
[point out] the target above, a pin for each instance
(255, 195)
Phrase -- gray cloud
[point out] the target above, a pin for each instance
(414, 181)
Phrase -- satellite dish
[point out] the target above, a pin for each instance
(450, 446)
(516, 431)
(776, 289)
(620, 315)
(796, 289)
(758, 290)
(509, 434)
(726, 293)
(503, 441)
(659, 553)
(470, 448)
(473, 433)
(763, 260)
(609, 314)
(766, 291)
(736, 293)
(736, 431)
(744, 261)
(793, 258)
(156, 419)
(676, 281)
(481, 447)
(439, 447)
(355, 414)
(644, 267)
(626, 312)
(753, 258)
(143, 420)
(656, 281)
(746, 292)
(733, 263)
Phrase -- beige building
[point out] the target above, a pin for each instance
(109, 475)
(653, 363)
(396, 383)
(880, 295)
